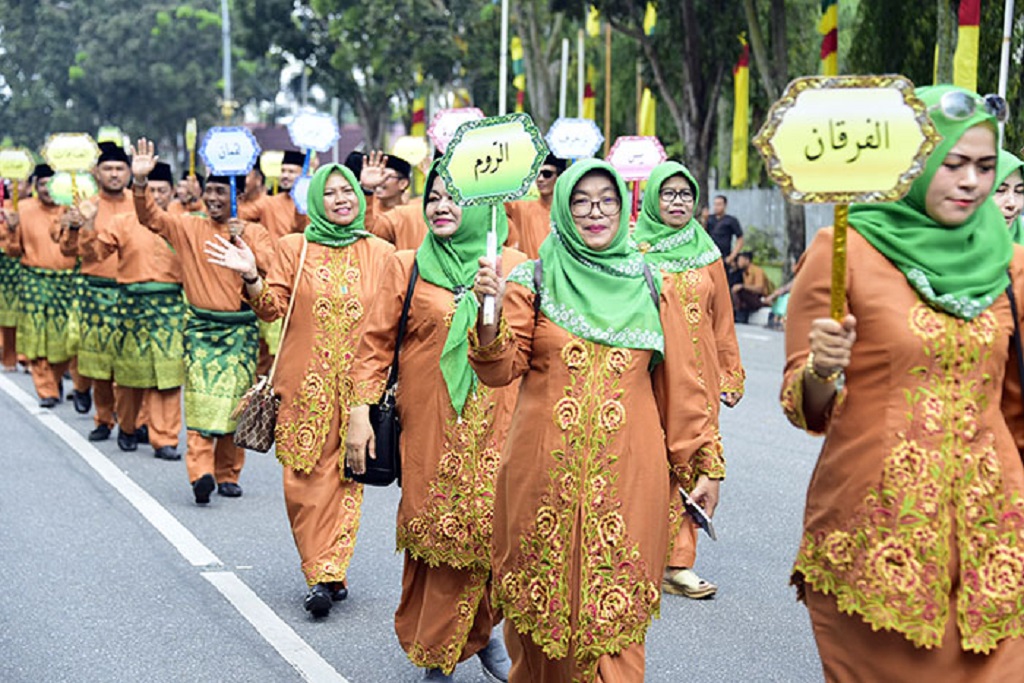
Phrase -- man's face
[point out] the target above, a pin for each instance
(43, 190)
(112, 176)
(719, 206)
(392, 186)
(289, 173)
(217, 197)
(546, 180)
(161, 191)
(742, 261)
(253, 181)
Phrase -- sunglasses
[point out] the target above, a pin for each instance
(957, 105)
(546, 174)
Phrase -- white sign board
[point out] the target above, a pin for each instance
(635, 156)
(229, 150)
(313, 130)
(447, 121)
(574, 138)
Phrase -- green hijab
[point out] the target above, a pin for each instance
(322, 231)
(601, 296)
(451, 263)
(960, 269)
(1008, 163)
(670, 249)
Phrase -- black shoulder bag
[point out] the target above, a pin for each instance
(387, 428)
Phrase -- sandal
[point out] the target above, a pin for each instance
(685, 582)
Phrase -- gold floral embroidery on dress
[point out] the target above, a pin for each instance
(455, 525)
(335, 566)
(707, 460)
(889, 564)
(446, 655)
(616, 597)
(304, 421)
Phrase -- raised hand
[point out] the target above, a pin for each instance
(372, 174)
(88, 208)
(235, 256)
(144, 159)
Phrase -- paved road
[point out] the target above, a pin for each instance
(92, 591)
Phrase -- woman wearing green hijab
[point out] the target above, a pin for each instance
(341, 268)
(697, 308)
(581, 525)
(1009, 194)
(912, 558)
(453, 429)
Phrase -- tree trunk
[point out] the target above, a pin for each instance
(538, 49)
(945, 42)
(764, 65)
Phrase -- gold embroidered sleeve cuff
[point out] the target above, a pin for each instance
(262, 301)
(368, 391)
(495, 349)
(733, 381)
(792, 401)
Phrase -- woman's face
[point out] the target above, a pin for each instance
(1009, 196)
(596, 208)
(340, 201)
(675, 201)
(964, 178)
(443, 214)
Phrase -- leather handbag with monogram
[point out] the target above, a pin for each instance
(256, 413)
(386, 467)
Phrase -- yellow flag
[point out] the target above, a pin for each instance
(650, 18)
(647, 116)
(593, 22)
(740, 118)
(965, 59)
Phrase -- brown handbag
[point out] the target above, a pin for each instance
(256, 413)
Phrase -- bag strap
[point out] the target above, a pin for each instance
(1016, 334)
(402, 323)
(538, 278)
(291, 306)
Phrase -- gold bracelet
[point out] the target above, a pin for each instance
(829, 379)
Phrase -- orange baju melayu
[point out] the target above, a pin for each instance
(214, 296)
(312, 378)
(533, 218)
(149, 273)
(97, 309)
(448, 471)
(580, 535)
(912, 557)
(402, 226)
(44, 293)
(276, 213)
(696, 306)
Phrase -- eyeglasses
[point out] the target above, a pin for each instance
(581, 207)
(669, 196)
(957, 105)
(546, 173)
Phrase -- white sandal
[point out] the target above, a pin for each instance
(685, 582)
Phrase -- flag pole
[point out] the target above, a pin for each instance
(1004, 58)
(503, 61)
(607, 87)
(580, 75)
(564, 81)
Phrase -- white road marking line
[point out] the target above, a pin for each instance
(310, 665)
(296, 651)
(751, 335)
(183, 540)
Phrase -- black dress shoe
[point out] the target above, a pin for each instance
(202, 488)
(318, 601)
(142, 434)
(229, 489)
(167, 453)
(101, 433)
(338, 591)
(126, 441)
(48, 402)
(82, 400)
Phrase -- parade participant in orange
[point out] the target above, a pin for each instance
(277, 213)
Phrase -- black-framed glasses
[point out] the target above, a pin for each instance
(957, 105)
(668, 196)
(581, 207)
(546, 173)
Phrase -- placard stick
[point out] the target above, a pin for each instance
(635, 211)
(841, 223)
(14, 194)
(234, 197)
(492, 256)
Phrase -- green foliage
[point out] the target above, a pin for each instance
(762, 244)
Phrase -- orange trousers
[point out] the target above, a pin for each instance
(10, 355)
(77, 381)
(445, 614)
(216, 455)
(159, 410)
(684, 547)
(104, 400)
(531, 665)
(47, 376)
